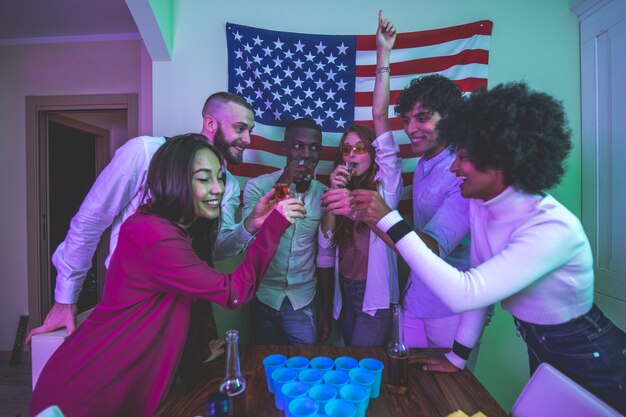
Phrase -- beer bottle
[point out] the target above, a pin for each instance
(234, 384)
(397, 355)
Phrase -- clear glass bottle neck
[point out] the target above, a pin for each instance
(233, 383)
(232, 354)
(397, 348)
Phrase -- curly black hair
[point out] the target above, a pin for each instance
(511, 128)
(435, 92)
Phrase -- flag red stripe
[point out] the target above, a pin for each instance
(263, 144)
(470, 84)
(429, 37)
(434, 64)
(365, 98)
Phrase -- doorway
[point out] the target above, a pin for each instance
(77, 152)
(70, 139)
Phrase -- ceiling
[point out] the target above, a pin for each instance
(23, 19)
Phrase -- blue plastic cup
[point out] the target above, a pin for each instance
(303, 407)
(270, 363)
(291, 391)
(376, 367)
(280, 377)
(322, 363)
(299, 363)
(340, 408)
(345, 363)
(336, 378)
(363, 378)
(311, 377)
(357, 396)
(323, 393)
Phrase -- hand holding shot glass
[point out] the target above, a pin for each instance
(341, 176)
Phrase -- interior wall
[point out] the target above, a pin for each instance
(39, 70)
(534, 40)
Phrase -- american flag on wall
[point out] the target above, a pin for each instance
(330, 79)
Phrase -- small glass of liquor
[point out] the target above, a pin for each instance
(350, 166)
(299, 190)
(397, 356)
(234, 384)
(282, 191)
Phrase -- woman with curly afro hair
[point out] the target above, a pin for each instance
(528, 251)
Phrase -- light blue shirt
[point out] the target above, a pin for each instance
(440, 211)
(292, 271)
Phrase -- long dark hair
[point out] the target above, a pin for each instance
(343, 233)
(169, 190)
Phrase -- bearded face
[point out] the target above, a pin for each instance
(231, 150)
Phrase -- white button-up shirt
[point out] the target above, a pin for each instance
(115, 195)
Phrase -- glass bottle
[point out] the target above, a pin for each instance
(234, 384)
(397, 355)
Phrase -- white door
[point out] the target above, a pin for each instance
(603, 86)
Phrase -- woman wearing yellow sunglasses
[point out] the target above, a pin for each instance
(362, 265)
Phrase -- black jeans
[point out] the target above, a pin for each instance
(590, 350)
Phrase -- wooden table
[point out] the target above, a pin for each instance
(430, 394)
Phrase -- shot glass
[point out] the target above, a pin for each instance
(350, 166)
(375, 367)
(282, 190)
(270, 363)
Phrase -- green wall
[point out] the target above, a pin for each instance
(534, 40)
(164, 13)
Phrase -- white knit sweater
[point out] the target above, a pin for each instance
(527, 251)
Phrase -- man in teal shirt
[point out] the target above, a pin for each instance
(283, 310)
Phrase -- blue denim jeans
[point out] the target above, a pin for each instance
(590, 349)
(285, 326)
(359, 328)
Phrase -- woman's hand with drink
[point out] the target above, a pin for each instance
(339, 176)
(291, 208)
(336, 201)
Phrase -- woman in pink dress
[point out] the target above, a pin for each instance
(122, 359)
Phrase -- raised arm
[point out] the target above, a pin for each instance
(385, 38)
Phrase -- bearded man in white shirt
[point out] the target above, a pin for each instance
(118, 191)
